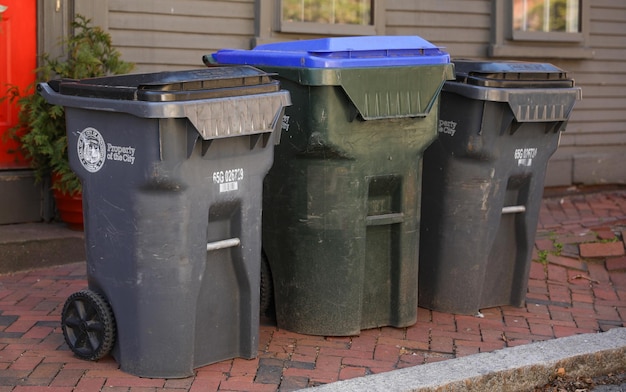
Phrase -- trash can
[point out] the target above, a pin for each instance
(341, 203)
(172, 166)
(483, 182)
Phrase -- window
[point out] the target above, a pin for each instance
(546, 15)
(533, 18)
(541, 28)
(282, 19)
(351, 12)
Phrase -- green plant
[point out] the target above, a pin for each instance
(558, 248)
(542, 255)
(41, 126)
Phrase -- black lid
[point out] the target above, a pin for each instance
(510, 74)
(205, 83)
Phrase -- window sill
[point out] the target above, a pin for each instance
(536, 51)
(326, 28)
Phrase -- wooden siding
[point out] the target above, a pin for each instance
(169, 35)
(593, 148)
(595, 141)
(461, 26)
(162, 35)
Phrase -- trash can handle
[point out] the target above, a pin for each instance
(513, 209)
(223, 244)
(384, 219)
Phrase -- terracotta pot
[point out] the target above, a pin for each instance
(70, 207)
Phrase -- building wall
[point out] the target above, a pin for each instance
(593, 148)
(162, 35)
(166, 35)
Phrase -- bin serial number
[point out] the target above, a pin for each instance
(232, 175)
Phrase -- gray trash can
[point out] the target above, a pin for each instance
(172, 166)
(483, 182)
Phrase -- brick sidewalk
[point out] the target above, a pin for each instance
(577, 285)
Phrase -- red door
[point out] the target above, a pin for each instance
(18, 60)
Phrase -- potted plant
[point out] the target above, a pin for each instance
(41, 126)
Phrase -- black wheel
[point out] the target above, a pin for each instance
(88, 325)
(267, 288)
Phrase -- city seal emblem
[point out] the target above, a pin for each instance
(91, 149)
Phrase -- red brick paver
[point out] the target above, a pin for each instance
(570, 292)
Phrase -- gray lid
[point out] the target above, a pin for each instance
(205, 83)
(510, 74)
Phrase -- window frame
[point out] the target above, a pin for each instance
(507, 42)
(271, 28)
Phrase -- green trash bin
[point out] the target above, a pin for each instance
(341, 202)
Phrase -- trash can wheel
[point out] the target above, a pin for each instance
(88, 325)
(267, 288)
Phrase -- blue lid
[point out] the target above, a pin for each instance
(342, 52)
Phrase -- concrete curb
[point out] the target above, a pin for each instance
(512, 369)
